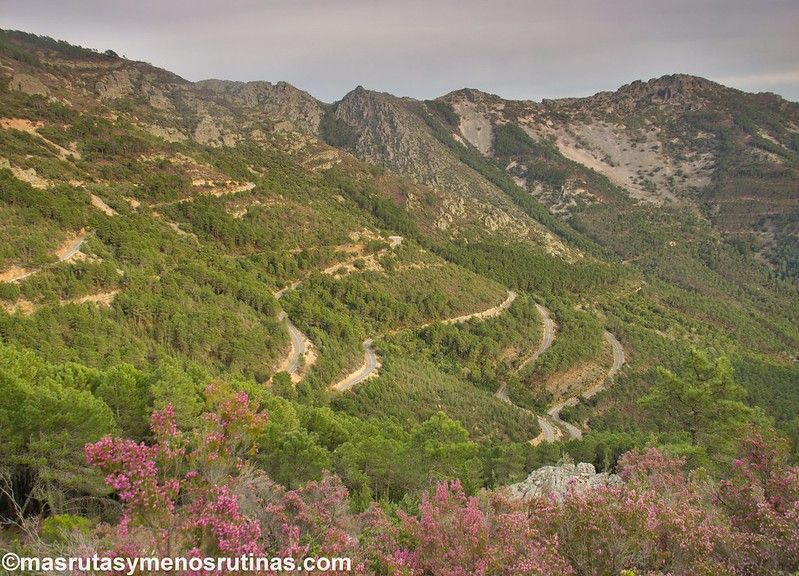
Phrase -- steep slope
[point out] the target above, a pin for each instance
(678, 140)
(280, 101)
(395, 133)
(203, 201)
(639, 172)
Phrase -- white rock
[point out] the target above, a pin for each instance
(557, 480)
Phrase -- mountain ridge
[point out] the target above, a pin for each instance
(678, 139)
(476, 178)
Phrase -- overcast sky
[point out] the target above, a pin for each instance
(518, 49)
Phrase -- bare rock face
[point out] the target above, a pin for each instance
(394, 132)
(28, 84)
(558, 480)
(281, 101)
(118, 84)
(478, 112)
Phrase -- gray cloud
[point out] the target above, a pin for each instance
(515, 48)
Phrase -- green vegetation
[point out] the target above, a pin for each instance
(535, 271)
(35, 220)
(175, 288)
(579, 340)
(336, 131)
(411, 390)
(706, 404)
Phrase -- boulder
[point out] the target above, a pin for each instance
(557, 480)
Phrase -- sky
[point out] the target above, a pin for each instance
(517, 49)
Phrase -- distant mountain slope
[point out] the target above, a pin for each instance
(728, 156)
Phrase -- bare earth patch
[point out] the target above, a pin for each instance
(98, 203)
(575, 380)
(31, 128)
(68, 250)
(26, 307)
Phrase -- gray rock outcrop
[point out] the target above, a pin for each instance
(557, 480)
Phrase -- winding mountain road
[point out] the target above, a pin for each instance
(546, 341)
(292, 362)
(618, 354)
(543, 346)
(73, 248)
(554, 413)
(618, 361)
(301, 346)
(298, 345)
(367, 370)
(484, 315)
(552, 424)
(371, 362)
(549, 431)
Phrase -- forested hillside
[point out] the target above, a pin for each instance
(333, 308)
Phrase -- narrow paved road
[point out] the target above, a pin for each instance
(292, 363)
(546, 341)
(548, 431)
(64, 254)
(554, 412)
(618, 361)
(72, 249)
(365, 372)
(372, 363)
(292, 286)
(490, 313)
(543, 346)
(618, 354)
(298, 343)
(301, 346)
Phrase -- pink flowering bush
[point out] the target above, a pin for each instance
(177, 494)
(761, 498)
(313, 520)
(453, 536)
(195, 494)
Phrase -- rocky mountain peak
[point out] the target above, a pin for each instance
(668, 87)
(675, 90)
(472, 95)
(281, 100)
(360, 96)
